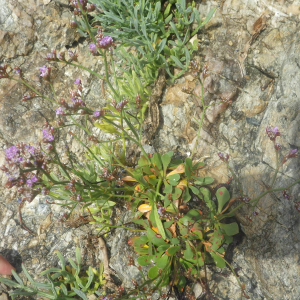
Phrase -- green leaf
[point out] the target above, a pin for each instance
(80, 294)
(198, 165)
(203, 180)
(150, 234)
(159, 223)
(141, 251)
(109, 128)
(186, 195)
(166, 159)
(177, 193)
(174, 241)
(74, 265)
(223, 197)
(156, 159)
(144, 260)
(177, 62)
(163, 248)
(168, 19)
(220, 262)
(153, 272)
(167, 10)
(9, 282)
(173, 250)
(51, 270)
(91, 277)
(194, 190)
(158, 241)
(173, 179)
(230, 229)
(64, 289)
(207, 198)
(161, 45)
(188, 253)
(168, 224)
(62, 260)
(78, 256)
(16, 276)
(188, 166)
(168, 188)
(162, 262)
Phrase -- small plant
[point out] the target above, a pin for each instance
(179, 239)
(185, 222)
(160, 31)
(63, 283)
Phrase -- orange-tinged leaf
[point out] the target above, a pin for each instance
(155, 229)
(183, 182)
(178, 170)
(207, 246)
(128, 178)
(154, 171)
(132, 239)
(144, 208)
(172, 229)
(138, 188)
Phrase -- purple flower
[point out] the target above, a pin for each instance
(77, 81)
(51, 56)
(73, 24)
(11, 152)
(277, 146)
(97, 113)
(31, 149)
(293, 153)
(272, 132)
(31, 181)
(60, 111)
(93, 49)
(223, 156)
(45, 72)
(47, 135)
(106, 42)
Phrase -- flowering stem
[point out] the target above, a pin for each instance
(77, 124)
(255, 200)
(53, 91)
(89, 150)
(59, 162)
(33, 89)
(201, 120)
(84, 68)
(236, 179)
(114, 71)
(277, 168)
(107, 78)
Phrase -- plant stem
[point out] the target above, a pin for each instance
(201, 120)
(33, 89)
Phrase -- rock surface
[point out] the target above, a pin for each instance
(260, 74)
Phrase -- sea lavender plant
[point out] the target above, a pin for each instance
(157, 187)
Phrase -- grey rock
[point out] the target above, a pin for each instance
(268, 94)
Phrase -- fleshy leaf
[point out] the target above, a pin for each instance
(220, 263)
(153, 272)
(230, 229)
(173, 179)
(162, 262)
(223, 197)
(178, 170)
(144, 260)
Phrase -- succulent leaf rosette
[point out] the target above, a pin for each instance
(180, 237)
